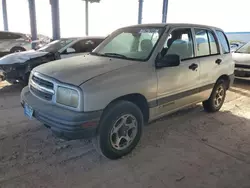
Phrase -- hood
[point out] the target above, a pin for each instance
(79, 69)
(241, 58)
(20, 57)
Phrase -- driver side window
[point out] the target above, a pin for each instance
(82, 46)
(179, 42)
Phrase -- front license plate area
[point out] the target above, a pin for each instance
(28, 111)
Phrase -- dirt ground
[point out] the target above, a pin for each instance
(189, 149)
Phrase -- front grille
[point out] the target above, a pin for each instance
(41, 94)
(42, 82)
(41, 87)
(242, 66)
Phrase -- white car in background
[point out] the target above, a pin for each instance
(241, 58)
(11, 42)
(17, 66)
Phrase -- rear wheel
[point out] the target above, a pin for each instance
(120, 130)
(17, 49)
(217, 98)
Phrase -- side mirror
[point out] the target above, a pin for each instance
(70, 50)
(170, 60)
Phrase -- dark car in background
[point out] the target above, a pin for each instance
(16, 67)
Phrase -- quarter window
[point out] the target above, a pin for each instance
(179, 42)
(202, 42)
(224, 42)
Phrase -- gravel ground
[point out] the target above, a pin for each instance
(188, 149)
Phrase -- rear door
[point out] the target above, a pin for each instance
(227, 64)
(209, 57)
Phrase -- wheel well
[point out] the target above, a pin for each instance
(138, 100)
(20, 47)
(226, 79)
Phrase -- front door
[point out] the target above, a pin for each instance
(178, 86)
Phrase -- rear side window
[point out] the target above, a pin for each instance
(213, 43)
(6, 35)
(202, 42)
(14, 36)
(224, 42)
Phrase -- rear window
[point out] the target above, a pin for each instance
(224, 42)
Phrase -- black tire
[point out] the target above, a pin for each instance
(210, 104)
(26, 78)
(17, 49)
(103, 141)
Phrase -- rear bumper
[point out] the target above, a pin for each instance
(63, 123)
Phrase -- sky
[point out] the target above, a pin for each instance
(105, 17)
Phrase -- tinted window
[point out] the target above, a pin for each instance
(56, 45)
(14, 36)
(97, 42)
(179, 42)
(6, 35)
(202, 43)
(213, 44)
(86, 45)
(224, 42)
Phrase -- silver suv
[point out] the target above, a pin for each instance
(138, 74)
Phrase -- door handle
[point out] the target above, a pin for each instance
(193, 67)
(218, 61)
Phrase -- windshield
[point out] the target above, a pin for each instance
(244, 49)
(56, 45)
(136, 43)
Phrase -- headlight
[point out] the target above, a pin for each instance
(68, 97)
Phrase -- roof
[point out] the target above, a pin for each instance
(18, 33)
(174, 25)
(87, 37)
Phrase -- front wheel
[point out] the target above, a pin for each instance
(217, 98)
(120, 130)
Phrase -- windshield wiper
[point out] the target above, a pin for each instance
(116, 55)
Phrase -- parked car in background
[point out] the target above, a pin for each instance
(14, 42)
(241, 58)
(17, 66)
(136, 75)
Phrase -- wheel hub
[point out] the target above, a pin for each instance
(220, 92)
(123, 132)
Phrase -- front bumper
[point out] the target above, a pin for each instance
(63, 123)
(242, 70)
